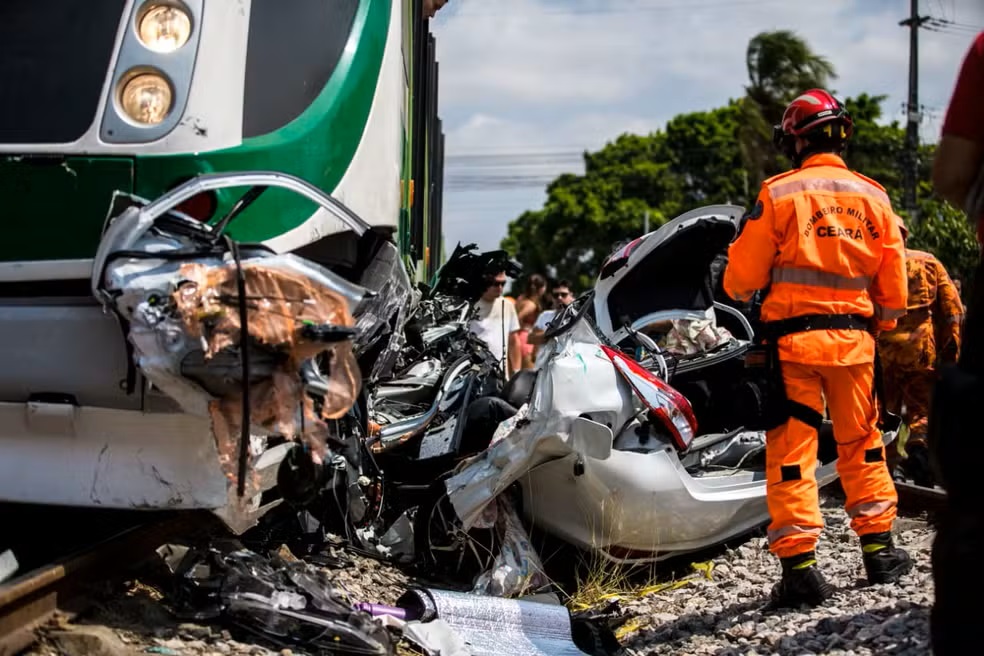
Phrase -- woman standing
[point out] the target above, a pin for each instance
(529, 304)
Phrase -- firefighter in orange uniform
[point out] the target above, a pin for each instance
(927, 336)
(823, 239)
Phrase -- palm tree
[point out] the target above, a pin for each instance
(780, 65)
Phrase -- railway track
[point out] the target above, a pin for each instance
(918, 498)
(31, 599)
(34, 597)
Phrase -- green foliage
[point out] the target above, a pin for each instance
(720, 156)
(694, 161)
(875, 150)
(780, 67)
(943, 230)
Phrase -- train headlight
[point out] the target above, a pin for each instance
(164, 27)
(146, 98)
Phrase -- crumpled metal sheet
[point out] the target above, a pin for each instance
(382, 315)
(517, 569)
(280, 302)
(8, 565)
(540, 434)
(493, 626)
(284, 599)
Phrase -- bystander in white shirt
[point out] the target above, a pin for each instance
(495, 321)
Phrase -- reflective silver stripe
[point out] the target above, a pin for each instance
(887, 314)
(956, 318)
(870, 509)
(815, 278)
(827, 184)
(793, 529)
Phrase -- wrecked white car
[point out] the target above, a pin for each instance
(632, 440)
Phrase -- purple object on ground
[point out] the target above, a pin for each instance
(379, 609)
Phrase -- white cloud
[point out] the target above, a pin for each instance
(535, 76)
(516, 50)
(584, 130)
(527, 57)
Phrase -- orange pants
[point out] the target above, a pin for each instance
(791, 458)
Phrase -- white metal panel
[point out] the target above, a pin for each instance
(109, 458)
(371, 184)
(213, 114)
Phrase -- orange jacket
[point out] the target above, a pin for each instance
(824, 240)
(930, 330)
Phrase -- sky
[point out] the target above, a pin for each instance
(526, 86)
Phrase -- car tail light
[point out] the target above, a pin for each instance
(671, 407)
(200, 207)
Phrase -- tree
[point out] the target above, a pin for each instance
(780, 66)
(945, 232)
(694, 161)
(719, 156)
(875, 150)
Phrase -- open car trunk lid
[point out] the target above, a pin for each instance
(667, 271)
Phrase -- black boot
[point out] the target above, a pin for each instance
(883, 561)
(801, 583)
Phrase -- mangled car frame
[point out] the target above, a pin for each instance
(179, 381)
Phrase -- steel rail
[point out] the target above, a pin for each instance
(30, 600)
(920, 498)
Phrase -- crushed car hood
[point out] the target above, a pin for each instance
(234, 332)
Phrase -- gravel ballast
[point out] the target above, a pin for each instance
(725, 615)
(722, 613)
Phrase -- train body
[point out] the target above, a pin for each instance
(139, 96)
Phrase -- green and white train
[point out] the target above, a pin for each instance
(139, 96)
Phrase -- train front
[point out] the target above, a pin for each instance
(138, 96)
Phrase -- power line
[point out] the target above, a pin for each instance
(951, 26)
(479, 156)
(612, 8)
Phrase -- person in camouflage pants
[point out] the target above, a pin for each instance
(927, 337)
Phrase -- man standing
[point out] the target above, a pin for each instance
(562, 297)
(955, 446)
(927, 336)
(497, 325)
(825, 242)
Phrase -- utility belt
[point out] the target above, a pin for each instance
(767, 402)
(773, 330)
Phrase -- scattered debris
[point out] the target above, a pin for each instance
(286, 601)
(459, 624)
(293, 603)
(517, 569)
(8, 565)
(88, 641)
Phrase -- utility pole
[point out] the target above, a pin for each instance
(645, 223)
(913, 114)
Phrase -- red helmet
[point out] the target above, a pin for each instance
(813, 115)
